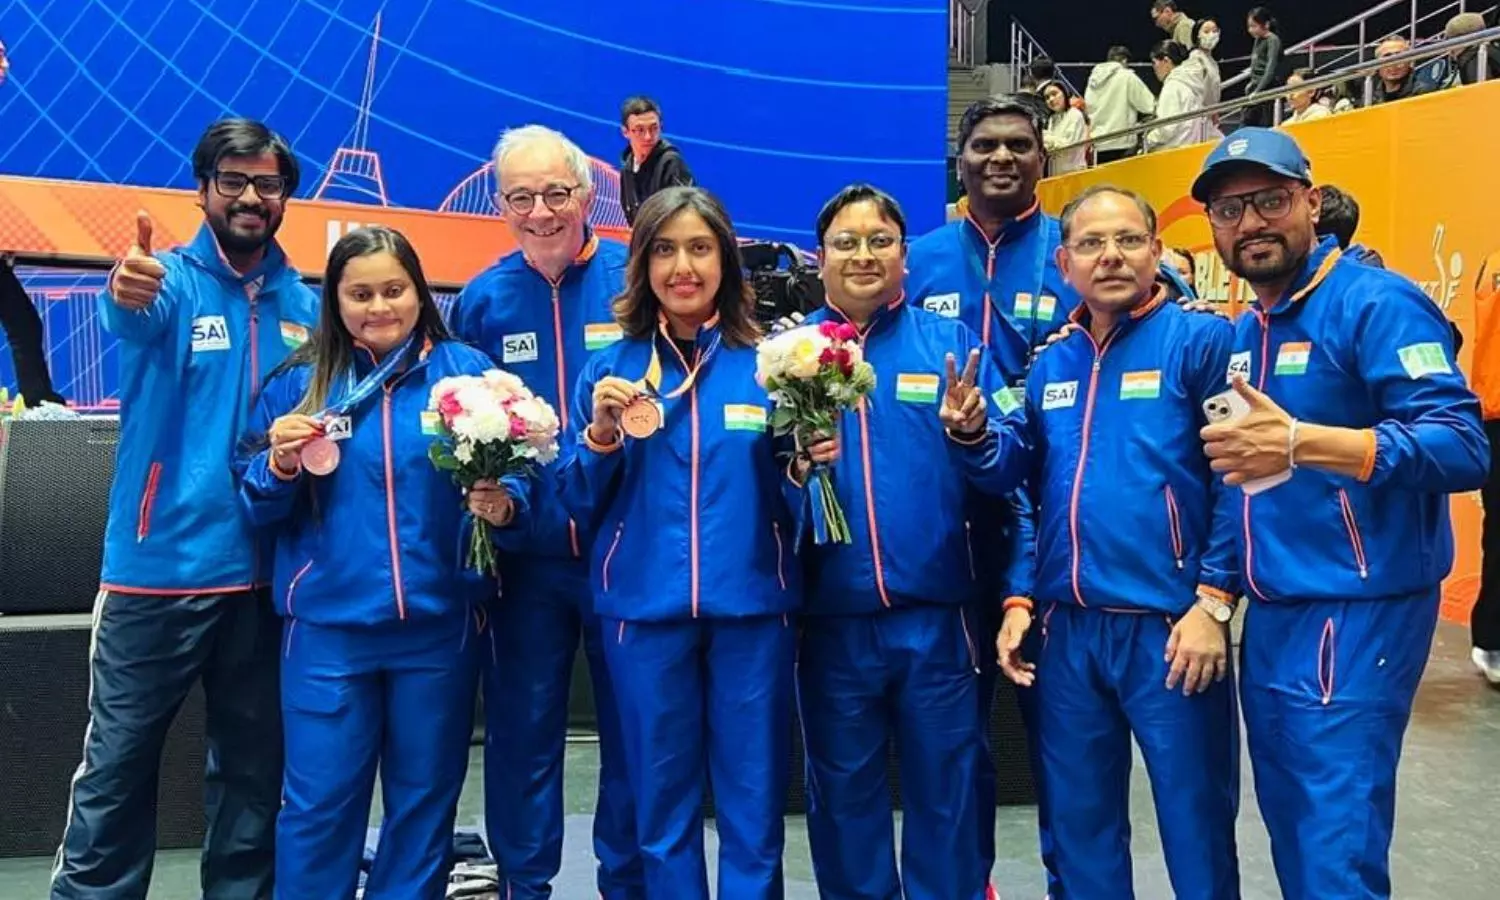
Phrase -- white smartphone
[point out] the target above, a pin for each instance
(1229, 406)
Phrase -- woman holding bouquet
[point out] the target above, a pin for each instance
(693, 572)
(379, 663)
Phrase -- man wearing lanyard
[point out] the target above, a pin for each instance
(184, 594)
(995, 269)
(1357, 428)
(541, 312)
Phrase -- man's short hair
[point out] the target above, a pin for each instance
(527, 136)
(1339, 215)
(244, 137)
(1071, 210)
(860, 193)
(1118, 53)
(640, 105)
(1161, 6)
(1030, 107)
(1169, 50)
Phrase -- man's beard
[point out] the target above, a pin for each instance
(235, 242)
(1276, 267)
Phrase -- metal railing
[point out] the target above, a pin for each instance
(1365, 70)
(1024, 47)
(1310, 46)
(962, 25)
(1366, 48)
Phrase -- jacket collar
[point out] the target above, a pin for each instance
(886, 314)
(204, 251)
(1010, 229)
(1315, 269)
(585, 254)
(1154, 301)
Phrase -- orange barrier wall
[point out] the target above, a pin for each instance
(1425, 175)
(89, 220)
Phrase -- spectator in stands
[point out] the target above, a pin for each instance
(1181, 259)
(1202, 63)
(1396, 81)
(1116, 100)
(1464, 68)
(1038, 72)
(1174, 22)
(184, 593)
(1306, 105)
(1340, 218)
(1180, 94)
(1067, 130)
(21, 325)
(1265, 62)
(650, 162)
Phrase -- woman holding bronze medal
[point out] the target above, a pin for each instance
(693, 570)
(379, 663)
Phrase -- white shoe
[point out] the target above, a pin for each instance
(1488, 664)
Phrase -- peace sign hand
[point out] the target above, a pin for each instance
(963, 409)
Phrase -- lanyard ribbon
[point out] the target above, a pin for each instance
(652, 379)
(359, 393)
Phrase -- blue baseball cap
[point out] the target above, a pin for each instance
(1266, 148)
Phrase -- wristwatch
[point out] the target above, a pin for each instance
(1217, 609)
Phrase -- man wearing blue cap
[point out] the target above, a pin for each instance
(1357, 427)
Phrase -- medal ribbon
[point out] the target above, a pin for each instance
(368, 385)
(652, 379)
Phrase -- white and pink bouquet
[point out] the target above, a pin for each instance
(813, 374)
(487, 427)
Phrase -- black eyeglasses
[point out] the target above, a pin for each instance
(1093, 245)
(1270, 204)
(233, 184)
(524, 201)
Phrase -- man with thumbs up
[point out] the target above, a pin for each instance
(1353, 406)
(183, 594)
(1135, 571)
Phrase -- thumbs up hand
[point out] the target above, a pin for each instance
(137, 279)
(963, 409)
(1254, 445)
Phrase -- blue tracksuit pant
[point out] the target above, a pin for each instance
(910, 676)
(1328, 691)
(543, 610)
(400, 698)
(707, 697)
(1101, 678)
(144, 657)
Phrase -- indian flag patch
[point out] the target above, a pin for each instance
(1025, 303)
(431, 423)
(1291, 359)
(1046, 308)
(1424, 359)
(916, 388)
(1140, 385)
(600, 335)
(293, 335)
(744, 417)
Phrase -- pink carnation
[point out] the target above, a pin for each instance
(828, 329)
(449, 407)
(517, 427)
(846, 332)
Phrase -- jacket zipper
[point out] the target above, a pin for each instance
(1351, 524)
(989, 302)
(969, 545)
(608, 557)
(390, 502)
(1265, 355)
(291, 588)
(148, 500)
(1174, 523)
(963, 618)
(1083, 452)
(780, 556)
(254, 350)
(562, 390)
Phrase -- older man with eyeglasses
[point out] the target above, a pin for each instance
(540, 313)
(1358, 426)
(1135, 571)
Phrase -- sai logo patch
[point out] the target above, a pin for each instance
(1239, 364)
(210, 333)
(1059, 395)
(945, 305)
(518, 348)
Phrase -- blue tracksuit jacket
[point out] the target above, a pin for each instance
(384, 538)
(902, 481)
(545, 333)
(1373, 352)
(691, 521)
(191, 365)
(1131, 517)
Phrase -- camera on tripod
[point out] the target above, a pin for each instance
(779, 292)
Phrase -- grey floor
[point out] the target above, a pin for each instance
(1445, 849)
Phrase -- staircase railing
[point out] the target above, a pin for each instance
(1024, 47)
(962, 28)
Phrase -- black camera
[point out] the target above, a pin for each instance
(780, 291)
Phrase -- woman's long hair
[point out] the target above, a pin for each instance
(636, 310)
(330, 350)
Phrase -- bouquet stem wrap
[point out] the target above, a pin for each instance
(828, 521)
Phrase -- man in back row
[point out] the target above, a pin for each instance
(649, 162)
